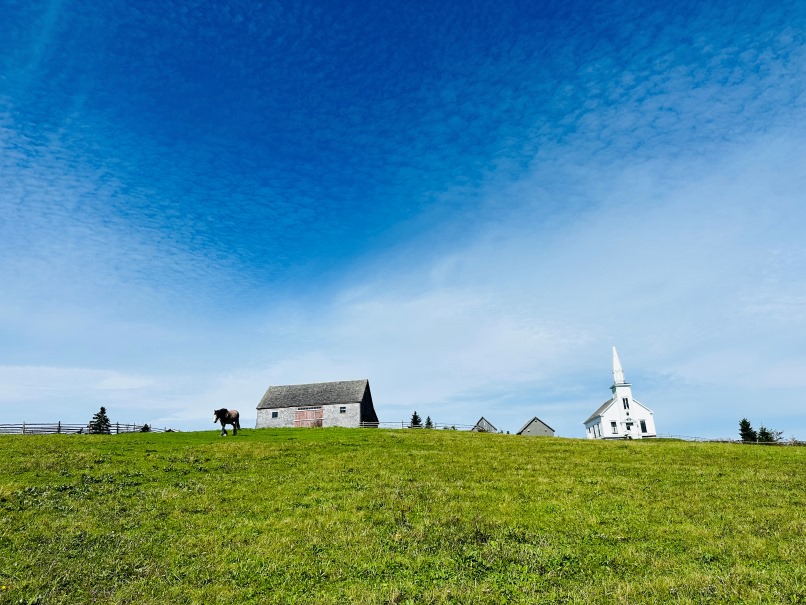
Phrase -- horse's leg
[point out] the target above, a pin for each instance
(234, 427)
(223, 429)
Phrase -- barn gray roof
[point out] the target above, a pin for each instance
(484, 425)
(523, 428)
(318, 393)
(600, 411)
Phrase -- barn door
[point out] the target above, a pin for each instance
(309, 417)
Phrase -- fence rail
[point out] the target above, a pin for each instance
(728, 440)
(407, 425)
(63, 428)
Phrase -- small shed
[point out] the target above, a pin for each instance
(346, 403)
(536, 428)
(484, 426)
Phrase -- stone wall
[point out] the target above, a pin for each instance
(331, 417)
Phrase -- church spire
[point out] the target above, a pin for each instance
(618, 373)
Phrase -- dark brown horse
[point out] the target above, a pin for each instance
(225, 417)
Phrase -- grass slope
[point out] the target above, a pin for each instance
(369, 516)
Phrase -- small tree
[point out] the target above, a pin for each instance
(100, 422)
(415, 422)
(766, 435)
(746, 432)
(428, 423)
(145, 429)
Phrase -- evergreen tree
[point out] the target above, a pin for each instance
(764, 434)
(746, 432)
(100, 422)
(428, 423)
(415, 422)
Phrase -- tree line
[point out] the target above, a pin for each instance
(762, 435)
(417, 423)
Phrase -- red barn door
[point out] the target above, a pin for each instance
(309, 417)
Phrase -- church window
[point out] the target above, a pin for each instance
(626, 403)
(274, 414)
(643, 426)
(614, 426)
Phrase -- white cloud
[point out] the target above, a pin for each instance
(693, 271)
(521, 319)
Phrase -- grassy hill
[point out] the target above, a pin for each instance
(370, 516)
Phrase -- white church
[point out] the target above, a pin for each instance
(620, 417)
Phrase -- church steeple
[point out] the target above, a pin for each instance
(620, 417)
(618, 373)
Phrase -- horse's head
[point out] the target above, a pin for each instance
(219, 414)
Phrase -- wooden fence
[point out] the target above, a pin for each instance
(728, 440)
(406, 425)
(38, 428)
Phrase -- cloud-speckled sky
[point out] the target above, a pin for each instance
(467, 203)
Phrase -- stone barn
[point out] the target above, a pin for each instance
(347, 403)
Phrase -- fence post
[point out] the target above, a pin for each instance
(59, 427)
(23, 428)
(117, 428)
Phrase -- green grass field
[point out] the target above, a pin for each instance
(373, 516)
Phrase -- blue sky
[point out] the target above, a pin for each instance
(467, 203)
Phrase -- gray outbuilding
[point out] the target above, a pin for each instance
(536, 428)
(346, 403)
(484, 426)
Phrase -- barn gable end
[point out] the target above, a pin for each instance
(484, 426)
(536, 427)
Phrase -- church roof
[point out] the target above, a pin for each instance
(603, 408)
(600, 411)
(318, 393)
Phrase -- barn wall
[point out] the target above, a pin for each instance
(538, 429)
(285, 418)
(332, 416)
(367, 409)
(351, 417)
